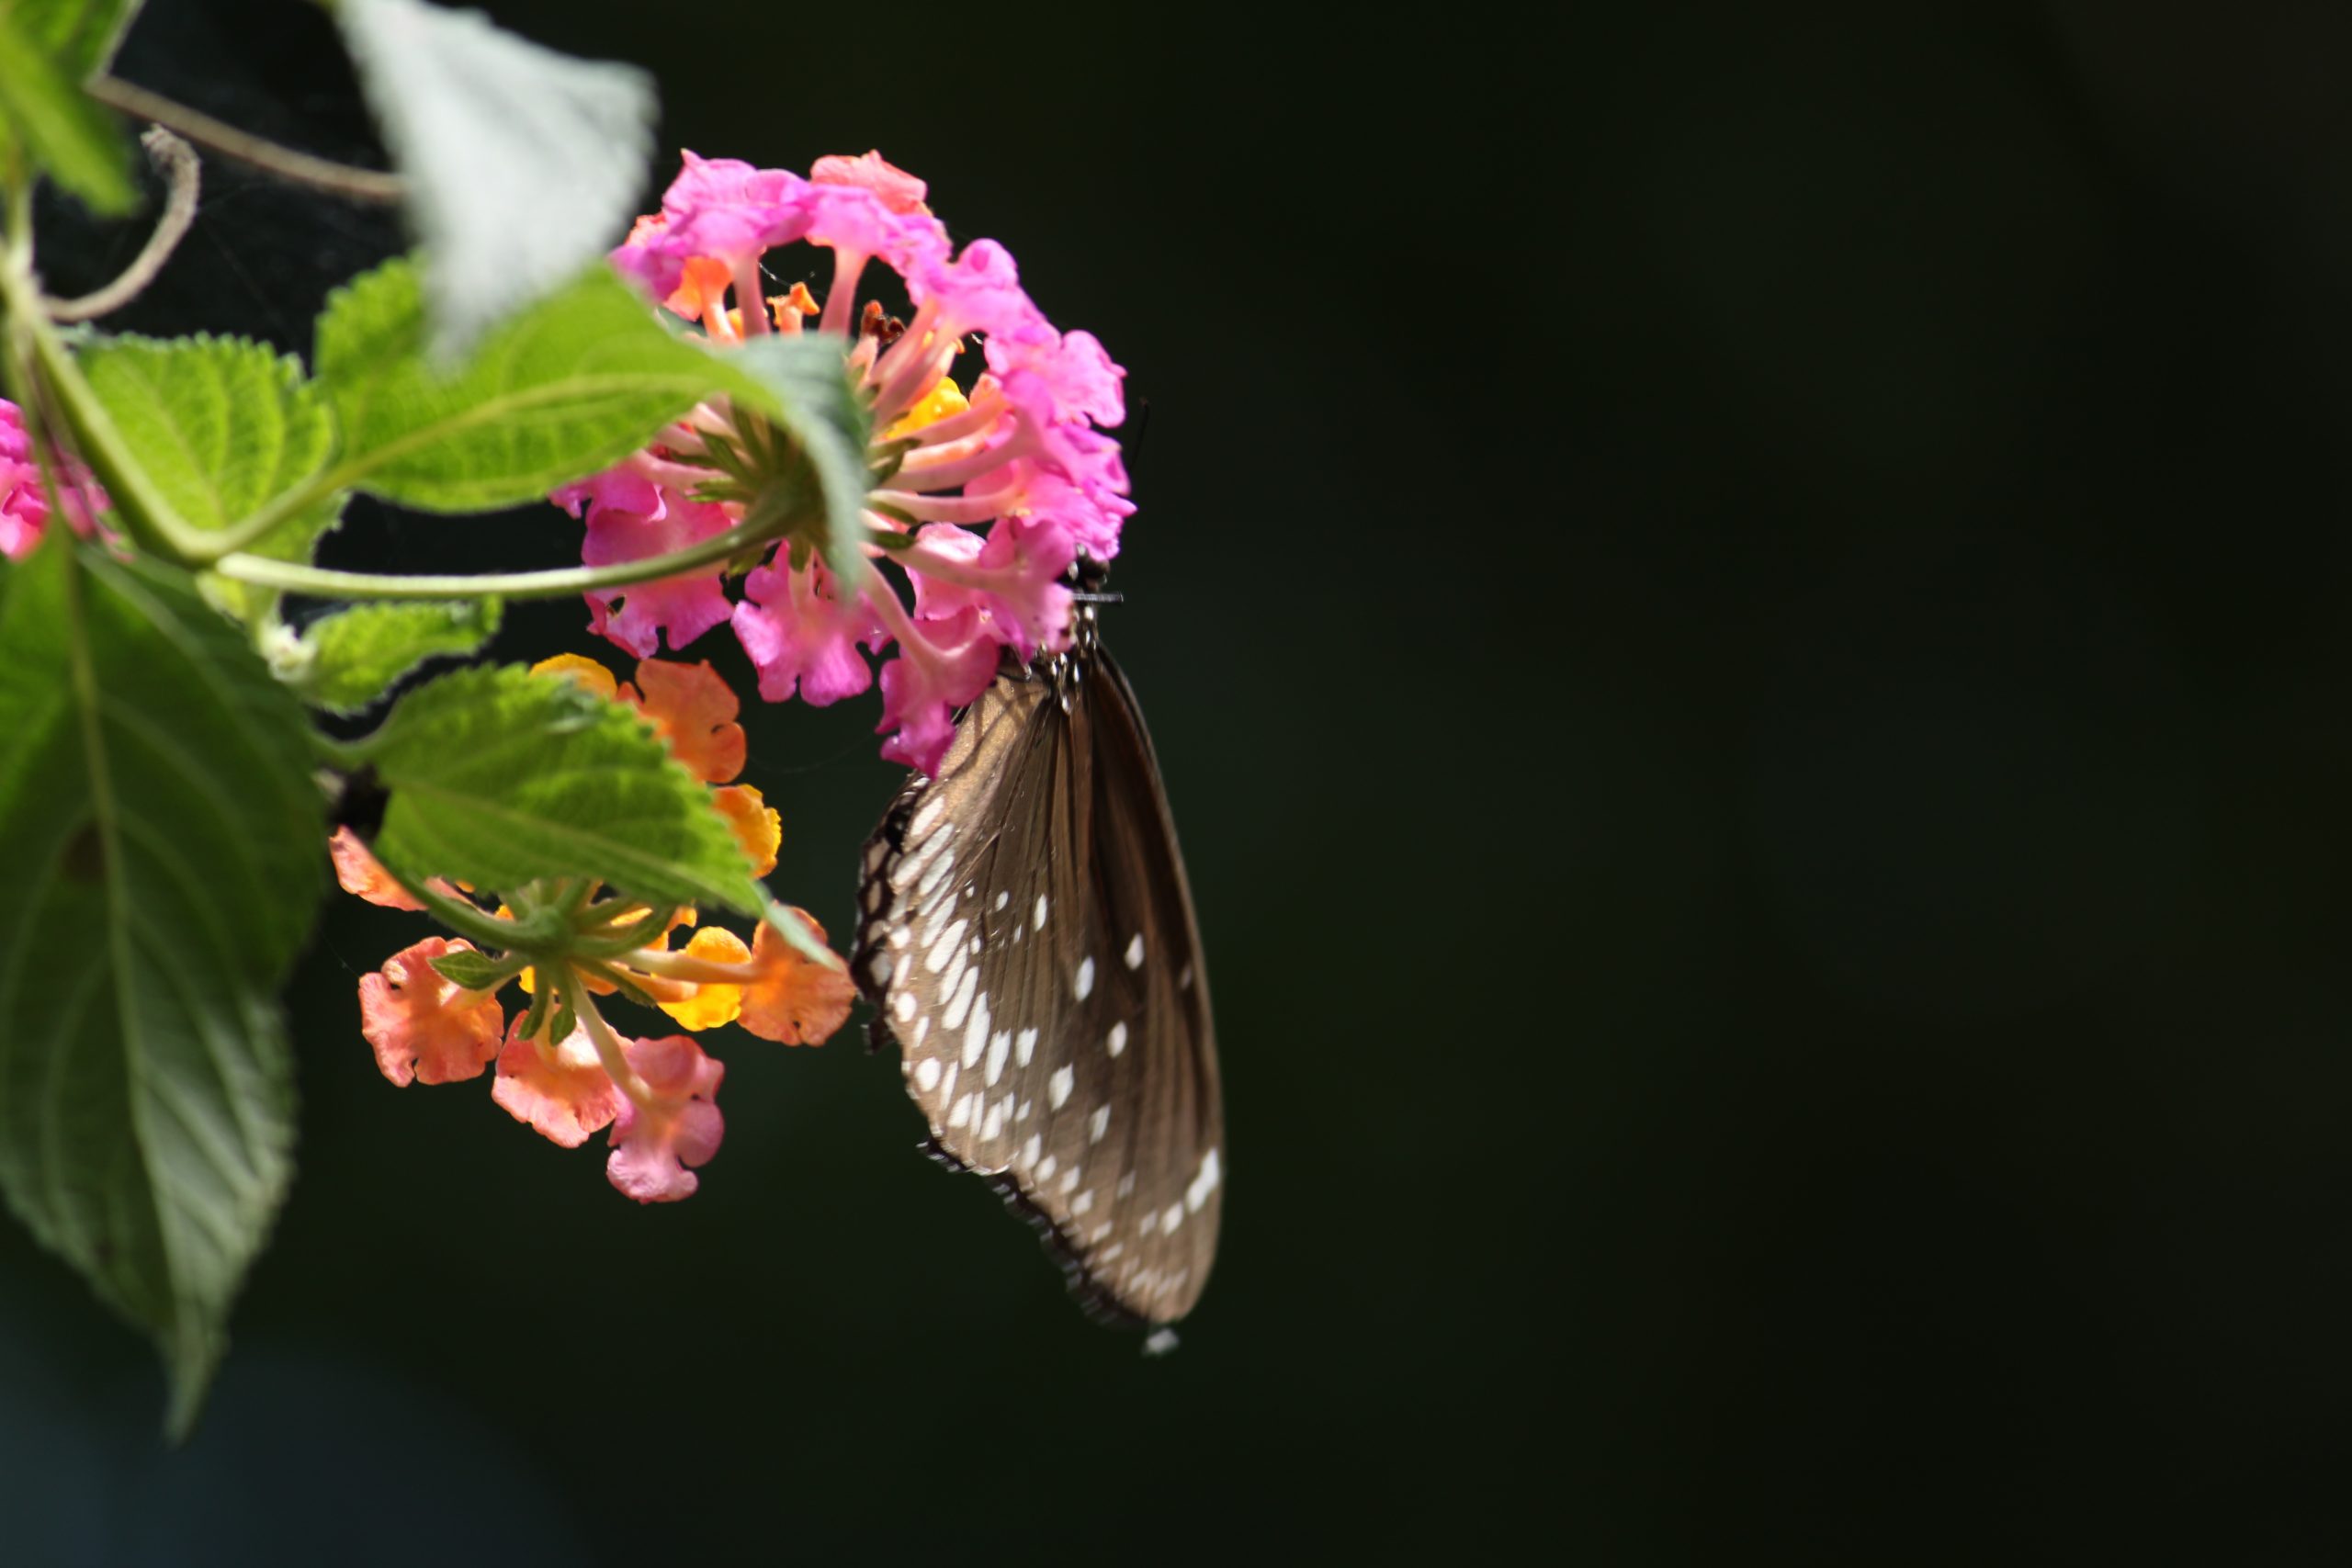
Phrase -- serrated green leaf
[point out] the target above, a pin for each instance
(500, 777)
(163, 841)
(816, 400)
(572, 385)
(477, 973)
(346, 661)
(521, 165)
(222, 425)
(45, 51)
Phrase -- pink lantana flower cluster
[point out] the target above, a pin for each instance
(24, 500)
(992, 486)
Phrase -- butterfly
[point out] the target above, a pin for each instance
(1027, 937)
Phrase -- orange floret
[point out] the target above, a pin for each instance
(757, 827)
(359, 872)
(694, 710)
(585, 670)
(711, 1003)
(560, 1091)
(703, 285)
(795, 1000)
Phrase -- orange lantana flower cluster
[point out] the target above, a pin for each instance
(560, 1067)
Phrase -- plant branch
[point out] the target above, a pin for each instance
(177, 162)
(302, 168)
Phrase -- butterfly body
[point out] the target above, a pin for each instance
(1027, 937)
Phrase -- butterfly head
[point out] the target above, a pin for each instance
(1063, 670)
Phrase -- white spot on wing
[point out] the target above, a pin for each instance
(994, 1124)
(925, 815)
(1029, 1150)
(1172, 1218)
(927, 1073)
(975, 1036)
(1135, 951)
(1118, 1040)
(999, 1047)
(945, 949)
(961, 1000)
(903, 1008)
(1082, 1202)
(1023, 1046)
(1002, 899)
(1058, 1088)
(1099, 1123)
(1045, 1169)
(931, 878)
(1041, 912)
(962, 1112)
(1203, 1184)
(1084, 983)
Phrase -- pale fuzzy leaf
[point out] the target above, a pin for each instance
(521, 164)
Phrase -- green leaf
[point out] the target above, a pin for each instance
(46, 48)
(343, 662)
(478, 973)
(78, 36)
(162, 839)
(521, 165)
(222, 425)
(815, 399)
(498, 777)
(572, 385)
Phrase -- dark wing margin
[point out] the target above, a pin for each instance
(1028, 939)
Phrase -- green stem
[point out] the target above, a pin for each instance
(136, 502)
(608, 1044)
(485, 931)
(322, 582)
(19, 256)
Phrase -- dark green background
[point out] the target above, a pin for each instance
(1743, 609)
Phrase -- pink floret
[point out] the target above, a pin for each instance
(685, 606)
(799, 634)
(425, 1028)
(653, 1147)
